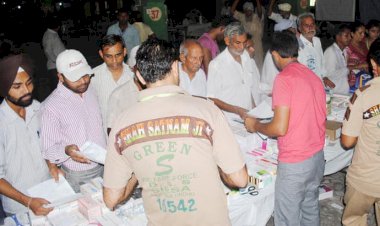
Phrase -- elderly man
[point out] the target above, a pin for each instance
(310, 52)
(191, 77)
(176, 152)
(361, 130)
(125, 29)
(112, 73)
(299, 104)
(209, 40)
(21, 163)
(284, 12)
(335, 58)
(253, 24)
(231, 79)
(70, 117)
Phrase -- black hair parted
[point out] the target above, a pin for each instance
(154, 59)
(111, 40)
(285, 43)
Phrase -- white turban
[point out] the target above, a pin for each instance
(286, 7)
(248, 6)
(284, 24)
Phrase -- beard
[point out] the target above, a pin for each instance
(22, 101)
(79, 90)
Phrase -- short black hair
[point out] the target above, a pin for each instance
(341, 28)
(285, 43)
(53, 22)
(374, 51)
(355, 26)
(222, 21)
(154, 59)
(372, 23)
(111, 40)
(123, 10)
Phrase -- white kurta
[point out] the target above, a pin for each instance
(311, 55)
(196, 86)
(336, 68)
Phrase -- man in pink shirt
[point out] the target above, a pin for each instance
(299, 104)
(209, 40)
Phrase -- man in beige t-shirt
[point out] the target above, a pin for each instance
(177, 146)
(361, 128)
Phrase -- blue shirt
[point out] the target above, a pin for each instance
(130, 35)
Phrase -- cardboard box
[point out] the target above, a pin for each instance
(333, 129)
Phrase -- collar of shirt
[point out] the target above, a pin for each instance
(125, 76)
(10, 115)
(307, 42)
(52, 31)
(67, 93)
(341, 52)
(168, 89)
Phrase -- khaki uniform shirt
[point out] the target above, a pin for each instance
(174, 143)
(362, 120)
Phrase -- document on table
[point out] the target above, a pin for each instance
(93, 152)
(57, 193)
(262, 111)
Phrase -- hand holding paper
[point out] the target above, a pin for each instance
(93, 152)
(262, 111)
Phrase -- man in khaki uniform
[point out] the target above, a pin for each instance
(177, 146)
(361, 128)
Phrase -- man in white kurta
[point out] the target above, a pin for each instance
(335, 58)
(231, 75)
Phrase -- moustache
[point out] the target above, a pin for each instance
(26, 95)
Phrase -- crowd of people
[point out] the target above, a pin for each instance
(163, 116)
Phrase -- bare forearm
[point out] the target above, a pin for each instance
(113, 197)
(270, 10)
(233, 6)
(9, 191)
(238, 179)
(259, 9)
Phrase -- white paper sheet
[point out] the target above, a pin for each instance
(57, 193)
(263, 110)
(93, 152)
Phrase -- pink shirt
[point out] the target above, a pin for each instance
(298, 88)
(208, 43)
(67, 118)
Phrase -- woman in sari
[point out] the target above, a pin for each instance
(357, 53)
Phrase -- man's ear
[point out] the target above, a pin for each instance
(227, 41)
(182, 57)
(101, 54)
(140, 78)
(60, 77)
(125, 51)
(375, 67)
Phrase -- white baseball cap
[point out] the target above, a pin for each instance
(284, 24)
(72, 64)
(248, 6)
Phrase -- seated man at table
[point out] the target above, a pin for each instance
(191, 76)
(361, 130)
(231, 76)
(177, 152)
(299, 103)
(21, 163)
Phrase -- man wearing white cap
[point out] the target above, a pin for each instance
(253, 24)
(21, 163)
(284, 12)
(70, 117)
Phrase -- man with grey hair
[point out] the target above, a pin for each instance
(310, 52)
(230, 77)
(191, 76)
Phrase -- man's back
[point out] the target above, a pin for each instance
(182, 146)
(302, 91)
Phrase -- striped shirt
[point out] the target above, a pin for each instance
(21, 163)
(67, 118)
(104, 84)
